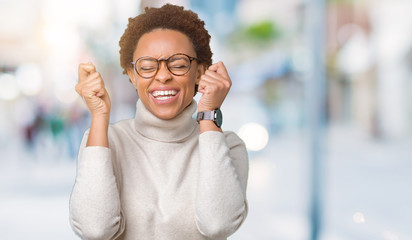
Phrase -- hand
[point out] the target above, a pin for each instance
(214, 85)
(91, 88)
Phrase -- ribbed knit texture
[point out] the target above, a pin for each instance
(160, 179)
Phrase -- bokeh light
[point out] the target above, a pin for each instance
(254, 135)
(358, 217)
(8, 87)
(29, 79)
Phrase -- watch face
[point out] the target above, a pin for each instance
(218, 117)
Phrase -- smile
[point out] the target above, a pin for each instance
(163, 95)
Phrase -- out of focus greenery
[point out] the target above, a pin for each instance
(262, 31)
(258, 34)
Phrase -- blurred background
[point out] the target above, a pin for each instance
(321, 95)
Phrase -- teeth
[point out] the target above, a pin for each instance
(164, 98)
(164, 93)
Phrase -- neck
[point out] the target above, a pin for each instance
(176, 129)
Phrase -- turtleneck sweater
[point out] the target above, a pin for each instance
(160, 179)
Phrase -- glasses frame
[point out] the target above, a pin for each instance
(166, 60)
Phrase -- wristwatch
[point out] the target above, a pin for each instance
(215, 116)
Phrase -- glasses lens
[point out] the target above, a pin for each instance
(146, 67)
(178, 64)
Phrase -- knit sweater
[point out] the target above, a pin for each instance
(160, 179)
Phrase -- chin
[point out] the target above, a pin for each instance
(165, 115)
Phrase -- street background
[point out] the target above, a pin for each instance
(363, 144)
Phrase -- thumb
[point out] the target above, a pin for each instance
(101, 92)
(85, 69)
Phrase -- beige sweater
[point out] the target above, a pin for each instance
(160, 179)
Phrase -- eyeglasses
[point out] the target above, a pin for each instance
(178, 64)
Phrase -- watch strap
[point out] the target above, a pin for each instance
(207, 115)
(215, 116)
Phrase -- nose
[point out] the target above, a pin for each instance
(163, 74)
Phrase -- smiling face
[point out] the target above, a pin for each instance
(166, 95)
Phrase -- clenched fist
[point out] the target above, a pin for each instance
(214, 85)
(91, 88)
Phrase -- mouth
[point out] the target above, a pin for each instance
(164, 96)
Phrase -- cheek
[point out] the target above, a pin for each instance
(190, 85)
(141, 88)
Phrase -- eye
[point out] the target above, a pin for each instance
(179, 62)
(178, 66)
(147, 64)
(147, 68)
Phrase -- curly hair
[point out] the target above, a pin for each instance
(166, 17)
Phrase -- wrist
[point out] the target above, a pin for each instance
(101, 118)
(99, 124)
(98, 135)
(205, 108)
(208, 125)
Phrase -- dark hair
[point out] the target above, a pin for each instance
(166, 17)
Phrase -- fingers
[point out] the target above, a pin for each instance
(215, 77)
(93, 85)
(209, 84)
(85, 69)
(214, 84)
(218, 71)
(90, 82)
(220, 68)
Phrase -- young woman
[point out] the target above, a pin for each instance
(163, 174)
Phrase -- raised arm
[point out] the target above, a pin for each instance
(95, 210)
(221, 204)
(92, 89)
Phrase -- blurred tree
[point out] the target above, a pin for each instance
(262, 31)
(259, 34)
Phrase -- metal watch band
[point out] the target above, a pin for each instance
(215, 116)
(208, 115)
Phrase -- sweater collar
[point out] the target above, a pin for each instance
(172, 130)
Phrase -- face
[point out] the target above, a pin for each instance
(166, 95)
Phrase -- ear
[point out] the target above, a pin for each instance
(201, 69)
(132, 77)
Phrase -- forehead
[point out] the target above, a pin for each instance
(161, 43)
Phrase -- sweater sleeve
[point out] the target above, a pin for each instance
(95, 211)
(221, 205)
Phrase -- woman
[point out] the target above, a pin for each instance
(162, 175)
